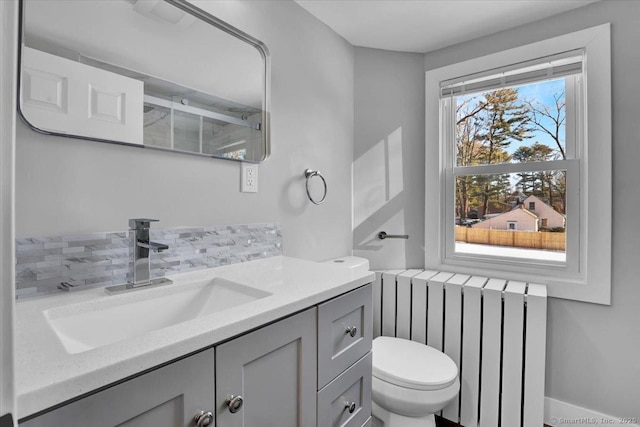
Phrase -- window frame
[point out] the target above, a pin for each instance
(586, 275)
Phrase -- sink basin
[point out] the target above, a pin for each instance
(85, 326)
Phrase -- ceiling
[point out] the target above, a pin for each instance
(426, 25)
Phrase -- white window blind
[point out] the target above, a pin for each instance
(546, 68)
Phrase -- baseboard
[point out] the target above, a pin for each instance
(558, 413)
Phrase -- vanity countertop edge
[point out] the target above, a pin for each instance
(46, 375)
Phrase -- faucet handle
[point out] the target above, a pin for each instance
(141, 223)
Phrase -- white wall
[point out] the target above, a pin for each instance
(592, 350)
(388, 169)
(74, 186)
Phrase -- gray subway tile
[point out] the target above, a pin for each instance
(56, 245)
(73, 250)
(32, 259)
(91, 242)
(84, 237)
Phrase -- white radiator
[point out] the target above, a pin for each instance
(493, 329)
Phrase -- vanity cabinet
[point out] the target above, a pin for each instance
(312, 368)
(165, 397)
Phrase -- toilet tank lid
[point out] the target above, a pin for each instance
(352, 262)
(412, 365)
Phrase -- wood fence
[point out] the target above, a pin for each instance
(518, 239)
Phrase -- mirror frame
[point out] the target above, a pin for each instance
(206, 17)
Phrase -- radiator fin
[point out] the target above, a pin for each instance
(453, 331)
(535, 353)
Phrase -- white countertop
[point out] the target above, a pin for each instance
(47, 375)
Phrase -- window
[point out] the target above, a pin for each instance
(508, 141)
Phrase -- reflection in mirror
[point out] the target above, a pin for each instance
(153, 73)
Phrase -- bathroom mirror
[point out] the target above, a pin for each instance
(160, 74)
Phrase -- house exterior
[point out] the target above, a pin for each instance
(517, 219)
(532, 214)
(549, 217)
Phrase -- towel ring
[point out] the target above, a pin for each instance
(310, 173)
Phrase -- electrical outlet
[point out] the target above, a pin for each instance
(248, 177)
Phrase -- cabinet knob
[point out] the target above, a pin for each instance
(203, 419)
(234, 403)
(350, 406)
(352, 331)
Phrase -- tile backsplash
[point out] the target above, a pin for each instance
(46, 265)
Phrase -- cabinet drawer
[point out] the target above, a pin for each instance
(351, 388)
(338, 348)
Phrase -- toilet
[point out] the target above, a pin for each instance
(411, 381)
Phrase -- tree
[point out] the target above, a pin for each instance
(505, 120)
(468, 148)
(550, 119)
(534, 182)
(486, 125)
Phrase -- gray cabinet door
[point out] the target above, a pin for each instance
(166, 397)
(274, 370)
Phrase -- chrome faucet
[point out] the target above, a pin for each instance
(141, 246)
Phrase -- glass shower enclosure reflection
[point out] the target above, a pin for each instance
(178, 124)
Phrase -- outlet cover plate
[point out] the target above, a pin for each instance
(248, 177)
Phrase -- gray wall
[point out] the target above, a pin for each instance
(73, 186)
(388, 170)
(592, 350)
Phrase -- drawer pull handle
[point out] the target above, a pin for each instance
(352, 330)
(234, 403)
(203, 419)
(350, 406)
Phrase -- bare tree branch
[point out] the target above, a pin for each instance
(557, 117)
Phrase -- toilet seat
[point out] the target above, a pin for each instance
(412, 365)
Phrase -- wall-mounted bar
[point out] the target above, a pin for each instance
(383, 235)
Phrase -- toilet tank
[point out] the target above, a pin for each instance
(354, 262)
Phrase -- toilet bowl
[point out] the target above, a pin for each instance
(411, 382)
